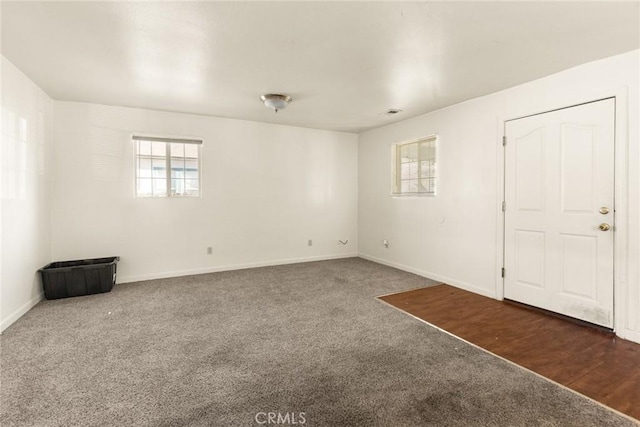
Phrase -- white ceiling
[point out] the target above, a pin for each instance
(344, 63)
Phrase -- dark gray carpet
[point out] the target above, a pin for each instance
(216, 349)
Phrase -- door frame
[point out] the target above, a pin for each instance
(621, 195)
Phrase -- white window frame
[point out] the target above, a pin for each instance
(396, 169)
(136, 138)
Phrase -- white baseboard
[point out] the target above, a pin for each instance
(432, 276)
(8, 321)
(630, 335)
(178, 273)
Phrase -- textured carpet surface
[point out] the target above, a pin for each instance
(219, 349)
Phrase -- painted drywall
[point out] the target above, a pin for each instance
(266, 190)
(453, 237)
(25, 233)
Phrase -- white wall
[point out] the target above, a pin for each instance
(25, 232)
(266, 190)
(453, 237)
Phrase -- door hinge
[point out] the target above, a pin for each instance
(504, 206)
(504, 141)
(503, 272)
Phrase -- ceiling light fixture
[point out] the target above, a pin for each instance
(276, 101)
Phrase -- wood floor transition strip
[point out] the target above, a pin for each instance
(590, 361)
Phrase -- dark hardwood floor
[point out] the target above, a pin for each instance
(586, 359)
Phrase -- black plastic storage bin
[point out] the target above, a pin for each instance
(75, 278)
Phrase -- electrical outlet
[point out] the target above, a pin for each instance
(309, 242)
(209, 250)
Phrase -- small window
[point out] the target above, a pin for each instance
(167, 167)
(414, 167)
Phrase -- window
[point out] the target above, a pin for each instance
(414, 167)
(167, 167)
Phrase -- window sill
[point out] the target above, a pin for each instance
(403, 195)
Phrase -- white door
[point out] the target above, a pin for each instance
(559, 211)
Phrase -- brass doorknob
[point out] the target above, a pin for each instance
(604, 227)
